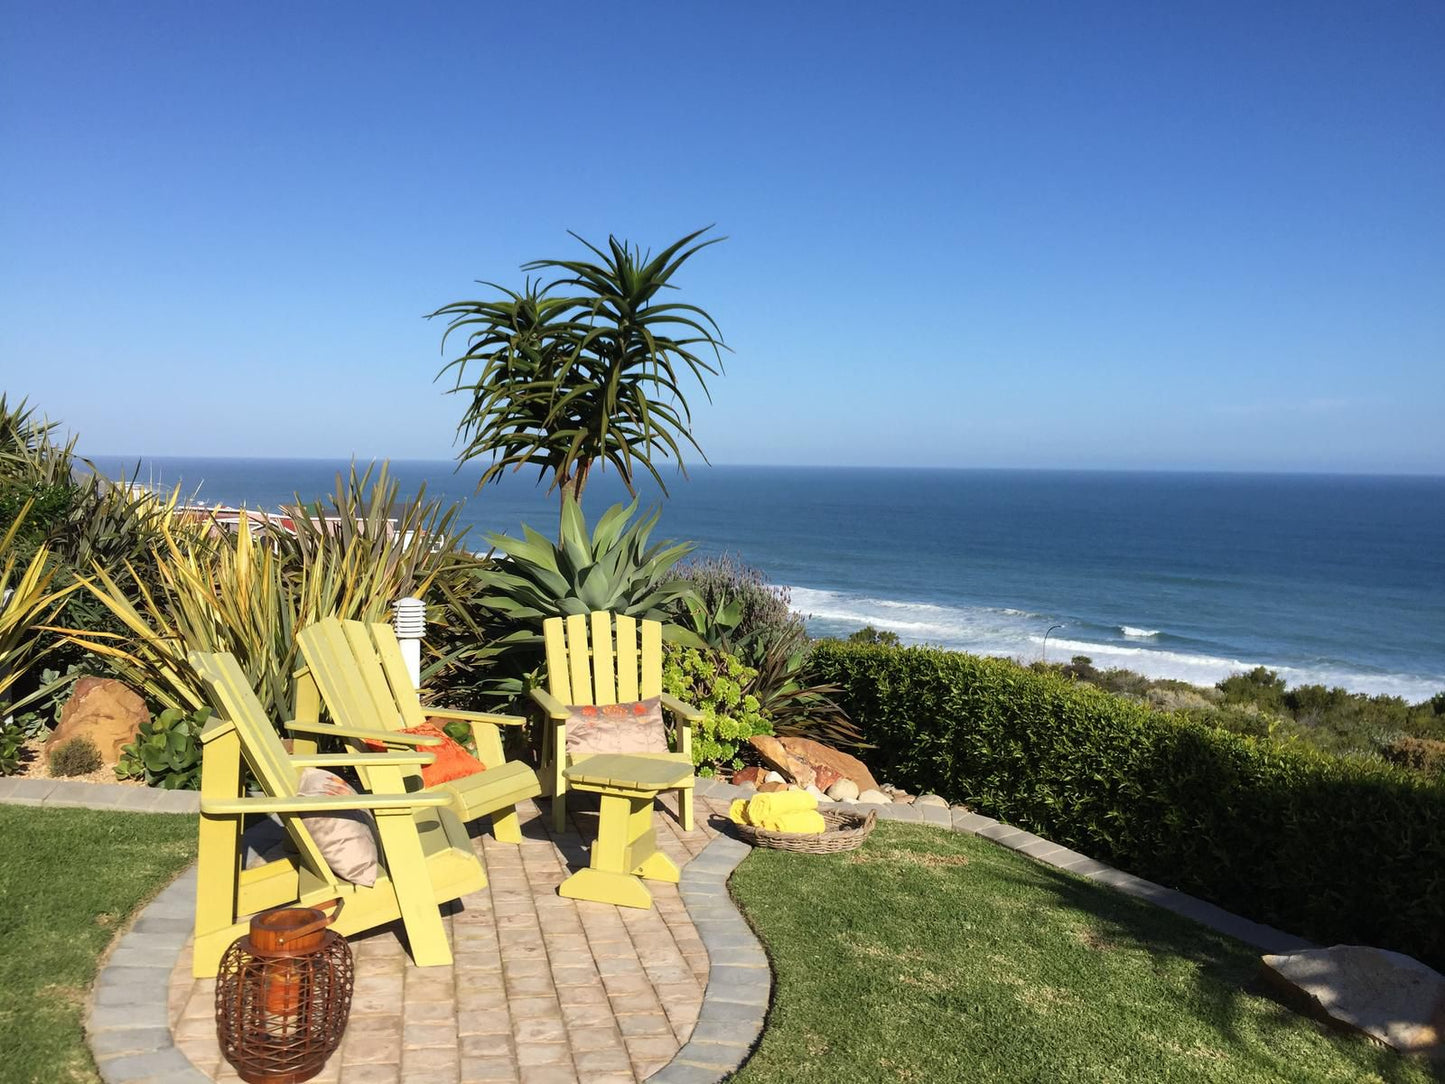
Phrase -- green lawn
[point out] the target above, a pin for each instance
(69, 878)
(934, 957)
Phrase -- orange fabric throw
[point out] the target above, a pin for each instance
(452, 761)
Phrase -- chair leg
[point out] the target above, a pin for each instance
(506, 825)
(410, 880)
(685, 807)
(559, 809)
(559, 793)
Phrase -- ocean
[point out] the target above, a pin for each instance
(1332, 579)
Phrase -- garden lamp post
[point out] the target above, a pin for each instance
(1045, 656)
(409, 621)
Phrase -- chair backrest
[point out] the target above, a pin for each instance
(233, 699)
(398, 677)
(354, 692)
(599, 658)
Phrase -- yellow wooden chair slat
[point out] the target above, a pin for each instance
(425, 855)
(602, 658)
(358, 672)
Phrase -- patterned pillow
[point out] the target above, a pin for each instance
(346, 838)
(617, 728)
(452, 760)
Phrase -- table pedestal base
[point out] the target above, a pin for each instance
(625, 851)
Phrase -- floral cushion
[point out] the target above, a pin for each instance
(634, 727)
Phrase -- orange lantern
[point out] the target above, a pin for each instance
(283, 995)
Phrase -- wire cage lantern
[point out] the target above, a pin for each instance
(283, 995)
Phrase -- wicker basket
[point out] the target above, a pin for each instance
(845, 832)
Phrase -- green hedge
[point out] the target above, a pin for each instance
(1335, 850)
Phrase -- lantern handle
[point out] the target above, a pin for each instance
(311, 927)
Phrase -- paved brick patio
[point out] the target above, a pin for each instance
(543, 988)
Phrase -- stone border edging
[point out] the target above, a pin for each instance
(70, 794)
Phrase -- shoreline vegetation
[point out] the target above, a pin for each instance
(1260, 704)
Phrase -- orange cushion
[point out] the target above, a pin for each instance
(452, 760)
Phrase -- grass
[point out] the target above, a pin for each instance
(929, 956)
(69, 878)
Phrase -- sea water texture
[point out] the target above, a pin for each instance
(1325, 578)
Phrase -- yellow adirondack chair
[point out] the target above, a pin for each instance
(359, 674)
(425, 853)
(612, 667)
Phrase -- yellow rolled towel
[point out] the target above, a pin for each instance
(781, 811)
(799, 821)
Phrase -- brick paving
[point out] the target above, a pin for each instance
(542, 989)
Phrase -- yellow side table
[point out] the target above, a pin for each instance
(626, 847)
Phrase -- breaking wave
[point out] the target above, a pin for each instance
(1019, 634)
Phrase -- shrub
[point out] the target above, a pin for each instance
(166, 752)
(78, 756)
(714, 682)
(1336, 849)
(1418, 754)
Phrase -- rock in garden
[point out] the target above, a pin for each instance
(845, 790)
(818, 794)
(772, 788)
(825, 776)
(750, 776)
(776, 754)
(1387, 995)
(900, 798)
(103, 710)
(932, 799)
(873, 796)
(819, 755)
(774, 777)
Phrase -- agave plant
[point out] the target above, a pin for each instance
(611, 568)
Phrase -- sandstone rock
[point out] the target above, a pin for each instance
(774, 777)
(776, 754)
(1387, 995)
(825, 776)
(845, 790)
(873, 796)
(817, 755)
(103, 710)
(772, 788)
(899, 798)
(818, 794)
(750, 776)
(932, 799)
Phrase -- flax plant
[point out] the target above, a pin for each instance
(27, 602)
(250, 594)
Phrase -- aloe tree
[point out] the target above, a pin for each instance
(585, 368)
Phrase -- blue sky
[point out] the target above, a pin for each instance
(1065, 235)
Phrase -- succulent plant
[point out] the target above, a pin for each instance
(166, 752)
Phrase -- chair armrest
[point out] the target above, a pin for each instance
(677, 707)
(362, 760)
(475, 716)
(393, 737)
(550, 704)
(326, 803)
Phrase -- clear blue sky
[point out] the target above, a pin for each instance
(1093, 235)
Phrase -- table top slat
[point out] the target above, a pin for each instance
(624, 770)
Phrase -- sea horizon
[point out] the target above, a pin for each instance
(1327, 578)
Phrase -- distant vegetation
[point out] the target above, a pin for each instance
(1260, 704)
